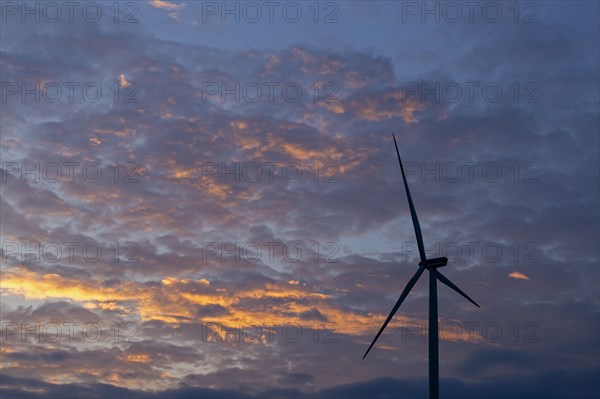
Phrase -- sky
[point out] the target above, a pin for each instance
(202, 199)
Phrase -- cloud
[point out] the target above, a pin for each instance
(550, 385)
(518, 276)
(168, 6)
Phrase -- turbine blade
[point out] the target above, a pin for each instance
(413, 213)
(407, 289)
(450, 284)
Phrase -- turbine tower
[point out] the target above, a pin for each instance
(432, 266)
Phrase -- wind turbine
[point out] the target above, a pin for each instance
(434, 275)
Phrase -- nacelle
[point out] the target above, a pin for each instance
(435, 262)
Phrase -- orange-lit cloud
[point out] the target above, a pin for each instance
(279, 303)
(123, 81)
(519, 276)
(166, 5)
(388, 106)
(172, 7)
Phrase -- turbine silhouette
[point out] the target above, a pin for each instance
(434, 275)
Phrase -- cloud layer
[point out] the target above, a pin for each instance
(184, 218)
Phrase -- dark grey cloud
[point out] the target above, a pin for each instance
(573, 385)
